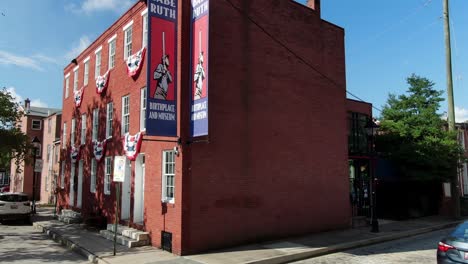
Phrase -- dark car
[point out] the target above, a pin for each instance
(454, 248)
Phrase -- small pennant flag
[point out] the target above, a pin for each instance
(99, 148)
(134, 62)
(75, 153)
(101, 82)
(132, 145)
(78, 96)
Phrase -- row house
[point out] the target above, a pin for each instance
(272, 159)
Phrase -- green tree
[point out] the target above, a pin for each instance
(413, 134)
(14, 144)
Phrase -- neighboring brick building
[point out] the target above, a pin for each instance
(50, 156)
(32, 124)
(275, 162)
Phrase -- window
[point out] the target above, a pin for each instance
(97, 70)
(86, 71)
(125, 114)
(95, 124)
(144, 16)
(109, 114)
(128, 40)
(67, 84)
(62, 176)
(56, 154)
(143, 109)
(75, 79)
(107, 177)
(49, 125)
(92, 187)
(111, 42)
(49, 152)
(168, 176)
(73, 131)
(83, 129)
(36, 124)
(64, 136)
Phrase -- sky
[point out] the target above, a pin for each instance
(385, 41)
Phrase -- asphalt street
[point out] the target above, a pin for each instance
(417, 249)
(21, 244)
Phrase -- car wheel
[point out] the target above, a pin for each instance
(28, 220)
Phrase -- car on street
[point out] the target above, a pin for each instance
(15, 206)
(5, 188)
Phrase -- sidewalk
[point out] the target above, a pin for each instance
(99, 250)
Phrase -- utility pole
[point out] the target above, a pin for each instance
(450, 101)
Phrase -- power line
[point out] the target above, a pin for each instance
(292, 52)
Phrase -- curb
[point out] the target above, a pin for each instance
(349, 245)
(54, 235)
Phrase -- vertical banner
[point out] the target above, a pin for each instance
(199, 67)
(161, 109)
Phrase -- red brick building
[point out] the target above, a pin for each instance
(275, 160)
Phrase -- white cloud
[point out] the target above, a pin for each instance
(21, 61)
(461, 114)
(83, 43)
(19, 99)
(89, 6)
(44, 58)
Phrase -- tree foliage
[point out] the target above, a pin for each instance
(413, 134)
(14, 144)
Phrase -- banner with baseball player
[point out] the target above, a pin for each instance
(161, 113)
(199, 68)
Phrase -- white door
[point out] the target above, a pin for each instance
(72, 185)
(126, 188)
(80, 184)
(139, 194)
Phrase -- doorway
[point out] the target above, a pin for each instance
(79, 195)
(126, 189)
(359, 183)
(139, 194)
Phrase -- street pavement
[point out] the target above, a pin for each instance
(417, 249)
(99, 250)
(22, 244)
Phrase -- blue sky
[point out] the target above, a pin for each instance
(386, 41)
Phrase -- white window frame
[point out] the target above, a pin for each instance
(168, 171)
(95, 124)
(62, 176)
(67, 84)
(98, 61)
(125, 114)
(107, 175)
(75, 78)
(92, 186)
(143, 109)
(144, 22)
(86, 71)
(112, 48)
(40, 124)
(128, 35)
(83, 129)
(73, 131)
(64, 136)
(109, 119)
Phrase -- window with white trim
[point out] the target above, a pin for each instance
(112, 52)
(128, 41)
(107, 175)
(75, 79)
(109, 117)
(67, 84)
(64, 136)
(125, 114)
(72, 131)
(83, 129)
(86, 72)
(49, 152)
(144, 16)
(36, 124)
(168, 176)
(143, 109)
(92, 187)
(97, 69)
(62, 176)
(95, 124)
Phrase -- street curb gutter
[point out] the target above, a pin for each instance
(349, 245)
(54, 235)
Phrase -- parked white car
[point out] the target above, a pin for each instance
(15, 206)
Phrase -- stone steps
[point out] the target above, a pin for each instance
(70, 217)
(126, 236)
